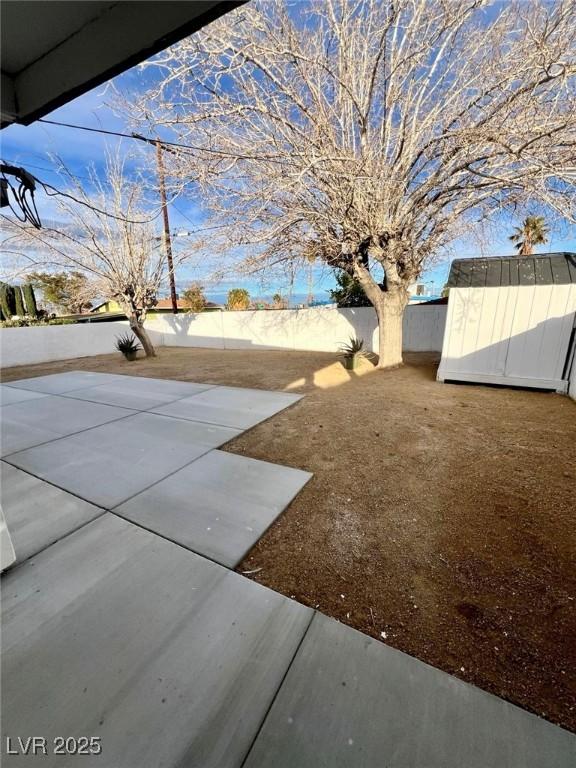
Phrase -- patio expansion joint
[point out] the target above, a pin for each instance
(161, 480)
(281, 682)
(242, 430)
(71, 396)
(166, 538)
(113, 510)
(90, 501)
(14, 384)
(63, 437)
(48, 482)
(113, 506)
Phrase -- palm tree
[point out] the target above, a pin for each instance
(532, 232)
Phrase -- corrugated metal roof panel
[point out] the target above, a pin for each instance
(465, 273)
(514, 278)
(560, 271)
(541, 269)
(478, 276)
(526, 271)
(494, 274)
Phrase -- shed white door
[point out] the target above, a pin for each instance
(510, 335)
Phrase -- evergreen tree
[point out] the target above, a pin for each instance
(30, 300)
(349, 292)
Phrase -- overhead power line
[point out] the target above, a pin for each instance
(135, 136)
(55, 171)
(54, 192)
(163, 142)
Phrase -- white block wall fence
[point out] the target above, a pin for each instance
(46, 343)
(320, 329)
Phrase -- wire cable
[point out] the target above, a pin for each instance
(92, 207)
(24, 194)
(162, 142)
(122, 135)
(93, 180)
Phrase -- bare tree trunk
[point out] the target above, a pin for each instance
(139, 330)
(389, 306)
(390, 312)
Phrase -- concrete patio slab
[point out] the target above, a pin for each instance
(109, 464)
(169, 659)
(37, 421)
(218, 506)
(11, 395)
(38, 514)
(138, 393)
(7, 554)
(57, 383)
(230, 406)
(350, 701)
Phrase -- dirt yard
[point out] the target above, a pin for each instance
(440, 518)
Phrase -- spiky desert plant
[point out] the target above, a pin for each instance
(128, 345)
(353, 348)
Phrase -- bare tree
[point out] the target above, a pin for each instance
(107, 235)
(371, 135)
(71, 292)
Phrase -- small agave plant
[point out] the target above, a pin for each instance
(128, 345)
(352, 352)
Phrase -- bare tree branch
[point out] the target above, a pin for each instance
(120, 253)
(367, 134)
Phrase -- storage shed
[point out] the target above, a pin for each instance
(511, 321)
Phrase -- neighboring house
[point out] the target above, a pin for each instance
(163, 307)
(420, 292)
(106, 307)
(512, 321)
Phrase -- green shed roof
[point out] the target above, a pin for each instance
(540, 269)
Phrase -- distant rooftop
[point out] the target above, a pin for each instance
(181, 304)
(539, 269)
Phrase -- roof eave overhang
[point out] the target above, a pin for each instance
(127, 34)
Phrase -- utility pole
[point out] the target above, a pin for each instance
(167, 240)
(310, 297)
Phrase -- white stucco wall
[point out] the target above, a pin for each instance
(45, 343)
(321, 329)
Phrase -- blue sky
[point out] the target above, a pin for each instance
(31, 146)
